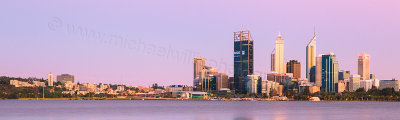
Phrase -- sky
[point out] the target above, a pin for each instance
(141, 42)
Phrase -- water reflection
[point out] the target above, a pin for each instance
(195, 110)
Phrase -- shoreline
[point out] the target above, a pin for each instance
(174, 99)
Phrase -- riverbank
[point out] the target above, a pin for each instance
(178, 99)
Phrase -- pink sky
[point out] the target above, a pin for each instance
(160, 38)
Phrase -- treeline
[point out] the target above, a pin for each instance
(374, 94)
(11, 92)
(8, 91)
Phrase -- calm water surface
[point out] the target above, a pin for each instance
(194, 110)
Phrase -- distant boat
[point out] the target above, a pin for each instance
(314, 99)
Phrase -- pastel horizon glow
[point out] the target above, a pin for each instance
(144, 42)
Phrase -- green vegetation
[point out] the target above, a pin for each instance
(374, 94)
(155, 86)
(8, 91)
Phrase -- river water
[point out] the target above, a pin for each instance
(194, 110)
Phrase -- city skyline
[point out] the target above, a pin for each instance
(59, 52)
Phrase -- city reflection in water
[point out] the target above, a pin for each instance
(195, 110)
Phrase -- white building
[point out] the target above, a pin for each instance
(104, 86)
(39, 84)
(278, 57)
(17, 83)
(366, 84)
(120, 88)
(375, 82)
(50, 79)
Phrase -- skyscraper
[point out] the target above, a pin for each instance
(50, 79)
(243, 59)
(311, 54)
(293, 66)
(199, 64)
(330, 72)
(364, 66)
(279, 55)
(273, 60)
(318, 71)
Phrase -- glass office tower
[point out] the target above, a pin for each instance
(243, 59)
(330, 72)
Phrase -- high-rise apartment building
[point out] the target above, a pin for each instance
(243, 59)
(293, 66)
(311, 52)
(364, 66)
(64, 78)
(50, 79)
(279, 55)
(330, 72)
(199, 64)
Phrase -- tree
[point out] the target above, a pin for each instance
(360, 90)
(155, 86)
(388, 91)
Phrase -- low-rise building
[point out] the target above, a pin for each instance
(341, 86)
(314, 89)
(366, 84)
(279, 77)
(253, 84)
(69, 85)
(18, 83)
(394, 83)
(120, 88)
(375, 82)
(269, 86)
(39, 84)
(354, 82)
(103, 86)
